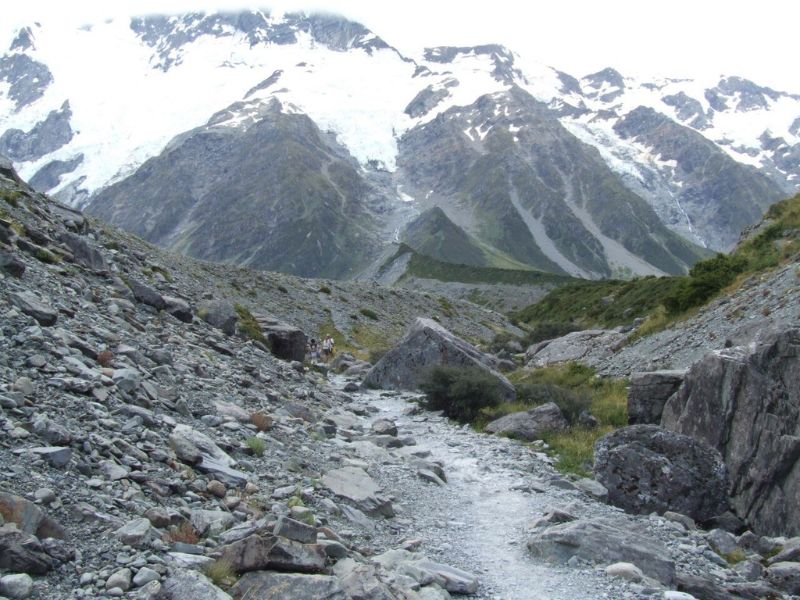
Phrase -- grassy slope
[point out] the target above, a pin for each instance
(610, 303)
(430, 268)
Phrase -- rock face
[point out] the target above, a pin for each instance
(648, 393)
(428, 344)
(530, 424)
(646, 468)
(592, 345)
(745, 402)
(590, 540)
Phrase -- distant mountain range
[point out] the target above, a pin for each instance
(307, 144)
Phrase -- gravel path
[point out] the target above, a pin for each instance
(478, 520)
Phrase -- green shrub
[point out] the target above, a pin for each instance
(572, 404)
(369, 313)
(257, 445)
(705, 279)
(460, 393)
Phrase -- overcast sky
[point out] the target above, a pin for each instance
(675, 38)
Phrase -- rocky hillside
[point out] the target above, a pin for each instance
(155, 447)
(533, 165)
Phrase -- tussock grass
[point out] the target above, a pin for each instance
(256, 445)
(607, 401)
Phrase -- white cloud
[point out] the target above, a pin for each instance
(679, 38)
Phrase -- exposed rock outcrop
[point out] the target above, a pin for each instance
(647, 394)
(745, 402)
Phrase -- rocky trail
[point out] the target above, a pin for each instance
(152, 449)
(493, 515)
(477, 520)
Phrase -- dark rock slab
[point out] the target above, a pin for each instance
(649, 392)
(35, 307)
(598, 541)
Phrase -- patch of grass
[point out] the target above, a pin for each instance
(282, 288)
(184, 533)
(447, 307)
(324, 289)
(221, 573)
(426, 267)
(47, 257)
(735, 557)
(607, 401)
(11, 197)
(249, 326)
(256, 445)
(585, 304)
(369, 313)
(574, 448)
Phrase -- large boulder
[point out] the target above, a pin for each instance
(529, 425)
(646, 468)
(649, 392)
(197, 449)
(603, 542)
(745, 402)
(428, 344)
(219, 314)
(285, 341)
(355, 484)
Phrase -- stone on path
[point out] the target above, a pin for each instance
(355, 484)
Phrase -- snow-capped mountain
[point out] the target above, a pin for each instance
(333, 142)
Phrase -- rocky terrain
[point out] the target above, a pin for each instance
(154, 446)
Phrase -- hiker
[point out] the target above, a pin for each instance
(327, 347)
(313, 349)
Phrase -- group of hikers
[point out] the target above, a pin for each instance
(324, 351)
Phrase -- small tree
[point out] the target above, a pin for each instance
(460, 392)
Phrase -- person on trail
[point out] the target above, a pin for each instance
(313, 349)
(327, 347)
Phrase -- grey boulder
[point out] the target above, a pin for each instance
(646, 468)
(598, 541)
(279, 586)
(190, 585)
(428, 344)
(35, 307)
(529, 425)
